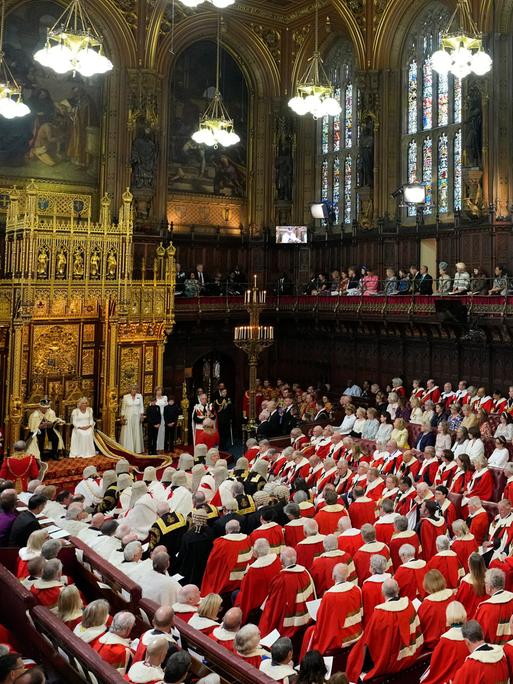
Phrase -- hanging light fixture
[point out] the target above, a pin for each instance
(215, 126)
(461, 51)
(314, 92)
(11, 104)
(220, 4)
(73, 44)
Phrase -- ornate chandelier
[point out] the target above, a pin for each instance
(73, 44)
(215, 126)
(220, 4)
(314, 92)
(11, 105)
(461, 51)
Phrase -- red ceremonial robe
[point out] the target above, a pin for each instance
(285, 607)
(361, 511)
(508, 490)
(350, 541)
(372, 594)
(449, 655)
(362, 558)
(226, 564)
(508, 652)
(432, 618)
(293, 532)
(146, 639)
(410, 577)
(463, 547)
(339, 619)
(400, 538)
(449, 565)
(327, 477)
(479, 522)
(308, 549)
(392, 638)
(493, 615)
(223, 637)
(481, 485)
(114, 650)
(384, 527)
(254, 659)
(184, 611)
(483, 667)
(203, 624)
(322, 569)
(20, 469)
(467, 596)
(405, 502)
(430, 529)
(307, 509)
(375, 489)
(47, 593)
(270, 531)
(327, 518)
(449, 513)
(255, 584)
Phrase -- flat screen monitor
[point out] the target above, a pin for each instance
(291, 235)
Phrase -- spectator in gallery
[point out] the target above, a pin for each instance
(461, 283)
(191, 287)
(505, 427)
(444, 279)
(390, 286)
(500, 282)
(425, 283)
(385, 427)
(353, 284)
(404, 281)
(500, 455)
(370, 283)
(478, 282)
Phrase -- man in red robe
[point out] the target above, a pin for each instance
(362, 510)
(375, 485)
(322, 566)
(285, 606)
(311, 546)
(430, 527)
(187, 601)
(20, 468)
(410, 574)
(224, 635)
(339, 618)
(149, 670)
(384, 525)
(369, 548)
(114, 646)
(494, 614)
(293, 531)
(447, 562)
(478, 520)
(446, 506)
(406, 501)
(486, 663)
(227, 561)
(372, 587)
(258, 577)
(47, 590)
(328, 516)
(349, 538)
(391, 641)
(269, 529)
(402, 535)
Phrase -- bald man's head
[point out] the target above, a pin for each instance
(156, 651)
(164, 618)
(232, 619)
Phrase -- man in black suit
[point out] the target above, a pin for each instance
(228, 512)
(274, 423)
(414, 279)
(201, 276)
(26, 522)
(171, 415)
(425, 286)
(153, 418)
(288, 418)
(180, 279)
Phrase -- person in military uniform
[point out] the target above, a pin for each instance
(167, 530)
(257, 477)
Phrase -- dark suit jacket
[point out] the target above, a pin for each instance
(25, 523)
(218, 527)
(274, 428)
(153, 415)
(426, 285)
(424, 440)
(288, 421)
(171, 413)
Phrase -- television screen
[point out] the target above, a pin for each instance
(291, 235)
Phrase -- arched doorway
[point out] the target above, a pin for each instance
(211, 369)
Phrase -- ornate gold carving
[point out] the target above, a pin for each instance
(87, 361)
(148, 359)
(148, 384)
(89, 333)
(272, 38)
(55, 350)
(130, 368)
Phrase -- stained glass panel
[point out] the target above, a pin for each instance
(412, 97)
(443, 174)
(348, 116)
(427, 173)
(427, 95)
(457, 171)
(324, 179)
(325, 135)
(337, 122)
(348, 186)
(443, 99)
(336, 188)
(457, 100)
(412, 169)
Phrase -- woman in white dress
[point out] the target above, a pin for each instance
(82, 437)
(161, 401)
(132, 414)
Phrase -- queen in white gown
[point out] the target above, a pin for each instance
(161, 400)
(132, 412)
(82, 437)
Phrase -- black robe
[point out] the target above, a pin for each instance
(193, 555)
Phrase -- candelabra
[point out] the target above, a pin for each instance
(253, 339)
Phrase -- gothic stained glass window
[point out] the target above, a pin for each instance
(338, 137)
(443, 174)
(432, 115)
(457, 171)
(412, 97)
(427, 95)
(348, 184)
(427, 172)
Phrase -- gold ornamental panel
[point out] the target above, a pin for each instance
(148, 359)
(130, 368)
(89, 333)
(87, 361)
(55, 350)
(148, 384)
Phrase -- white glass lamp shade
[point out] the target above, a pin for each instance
(481, 63)
(414, 193)
(441, 61)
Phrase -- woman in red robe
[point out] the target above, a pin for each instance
(462, 475)
(463, 543)
(209, 435)
(431, 527)
(481, 483)
(451, 650)
(471, 591)
(205, 620)
(432, 609)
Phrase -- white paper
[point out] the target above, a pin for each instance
(269, 640)
(177, 577)
(329, 665)
(52, 528)
(20, 509)
(313, 608)
(60, 534)
(416, 603)
(102, 585)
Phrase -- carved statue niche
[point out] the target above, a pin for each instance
(284, 163)
(42, 262)
(78, 264)
(473, 128)
(112, 264)
(366, 156)
(95, 264)
(144, 156)
(61, 263)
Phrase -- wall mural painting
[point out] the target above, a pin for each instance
(197, 168)
(60, 139)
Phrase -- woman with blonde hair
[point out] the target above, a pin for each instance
(94, 622)
(432, 609)
(205, 620)
(416, 411)
(82, 437)
(443, 438)
(209, 435)
(471, 592)
(34, 545)
(400, 434)
(69, 606)
(451, 651)
(361, 417)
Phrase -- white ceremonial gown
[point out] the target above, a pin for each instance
(82, 441)
(161, 402)
(132, 408)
